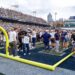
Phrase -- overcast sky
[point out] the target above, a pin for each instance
(64, 8)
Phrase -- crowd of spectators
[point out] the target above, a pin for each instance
(50, 38)
(9, 25)
(11, 14)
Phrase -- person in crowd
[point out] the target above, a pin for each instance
(62, 38)
(52, 33)
(40, 34)
(57, 40)
(38, 37)
(46, 38)
(1, 38)
(25, 40)
(4, 41)
(33, 38)
(69, 38)
(73, 40)
(13, 41)
(65, 40)
(20, 36)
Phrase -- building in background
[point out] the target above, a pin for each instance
(61, 19)
(70, 22)
(49, 18)
(72, 17)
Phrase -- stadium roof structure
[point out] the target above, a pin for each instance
(22, 22)
(16, 15)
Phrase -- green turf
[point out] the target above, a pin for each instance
(1, 48)
(39, 42)
(52, 51)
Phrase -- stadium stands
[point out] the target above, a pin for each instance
(10, 18)
(11, 14)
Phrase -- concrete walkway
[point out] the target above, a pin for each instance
(9, 67)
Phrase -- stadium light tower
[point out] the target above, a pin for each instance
(55, 19)
(15, 6)
(34, 13)
(55, 15)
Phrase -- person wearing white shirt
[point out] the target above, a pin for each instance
(33, 38)
(13, 41)
(25, 41)
(52, 33)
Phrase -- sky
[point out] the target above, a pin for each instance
(63, 8)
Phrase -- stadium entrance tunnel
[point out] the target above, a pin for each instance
(26, 61)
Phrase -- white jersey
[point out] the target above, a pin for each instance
(25, 40)
(69, 35)
(4, 39)
(12, 36)
(33, 34)
(52, 35)
(41, 33)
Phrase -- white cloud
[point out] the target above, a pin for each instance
(42, 7)
(62, 3)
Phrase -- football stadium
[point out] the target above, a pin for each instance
(30, 45)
